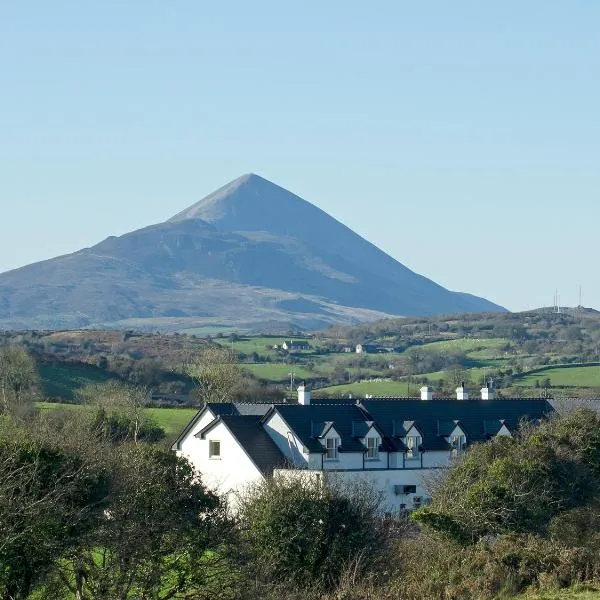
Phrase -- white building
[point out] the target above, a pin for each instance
(295, 345)
(393, 443)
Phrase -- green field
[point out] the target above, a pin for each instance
(477, 348)
(277, 371)
(62, 380)
(564, 377)
(172, 420)
(375, 388)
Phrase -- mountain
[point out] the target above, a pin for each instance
(250, 255)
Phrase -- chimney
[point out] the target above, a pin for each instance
(487, 393)
(426, 393)
(461, 392)
(303, 395)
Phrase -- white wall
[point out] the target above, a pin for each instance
(233, 470)
(441, 458)
(504, 432)
(291, 447)
(190, 445)
(381, 480)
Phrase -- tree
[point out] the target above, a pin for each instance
(215, 372)
(120, 411)
(519, 484)
(154, 541)
(146, 371)
(48, 498)
(302, 532)
(18, 381)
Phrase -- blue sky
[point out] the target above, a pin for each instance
(463, 138)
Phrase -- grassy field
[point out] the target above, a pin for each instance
(564, 377)
(478, 348)
(62, 380)
(277, 371)
(172, 420)
(375, 388)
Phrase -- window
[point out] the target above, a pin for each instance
(412, 446)
(331, 448)
(458, 443)
(214, 449)
(372, 448)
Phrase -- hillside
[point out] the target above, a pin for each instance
(250, 256)
(529, 354)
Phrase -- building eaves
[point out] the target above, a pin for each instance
(177, 443)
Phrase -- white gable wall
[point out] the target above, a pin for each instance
(189, 446)
(232, 470)
(504, 432)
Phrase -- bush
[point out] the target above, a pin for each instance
(302, 532)
(519, 484)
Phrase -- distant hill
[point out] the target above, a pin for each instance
(250, 255)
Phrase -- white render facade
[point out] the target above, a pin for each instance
(395, 444)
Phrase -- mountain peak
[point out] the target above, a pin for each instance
(250, 253)
(212, 207)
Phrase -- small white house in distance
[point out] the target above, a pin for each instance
(394, 443)
(295, 345)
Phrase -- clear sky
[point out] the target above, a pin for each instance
(462, 137)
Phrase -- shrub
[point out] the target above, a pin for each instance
(301, 531)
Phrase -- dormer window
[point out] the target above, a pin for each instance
(412, 446)
(331, 448)
(373, 448)
(458, 443)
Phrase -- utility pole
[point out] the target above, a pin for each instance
(292, 376)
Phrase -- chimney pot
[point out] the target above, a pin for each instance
(304, 395)
(487, 393)
(426, 393)
(461, 392)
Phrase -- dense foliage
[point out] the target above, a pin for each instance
(515, 350)
(92, 507)
(303, 532)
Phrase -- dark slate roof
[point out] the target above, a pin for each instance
(434, 419)
(223, 408)
(251, 436)
(239, 408)
(309, 422)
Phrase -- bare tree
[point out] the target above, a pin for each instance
(125, 402)
(215, 372)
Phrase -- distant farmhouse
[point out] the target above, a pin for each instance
(394, 443)
(366, 348)
(374, 349)
(295, 345)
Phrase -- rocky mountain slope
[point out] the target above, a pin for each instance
(250, 255)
